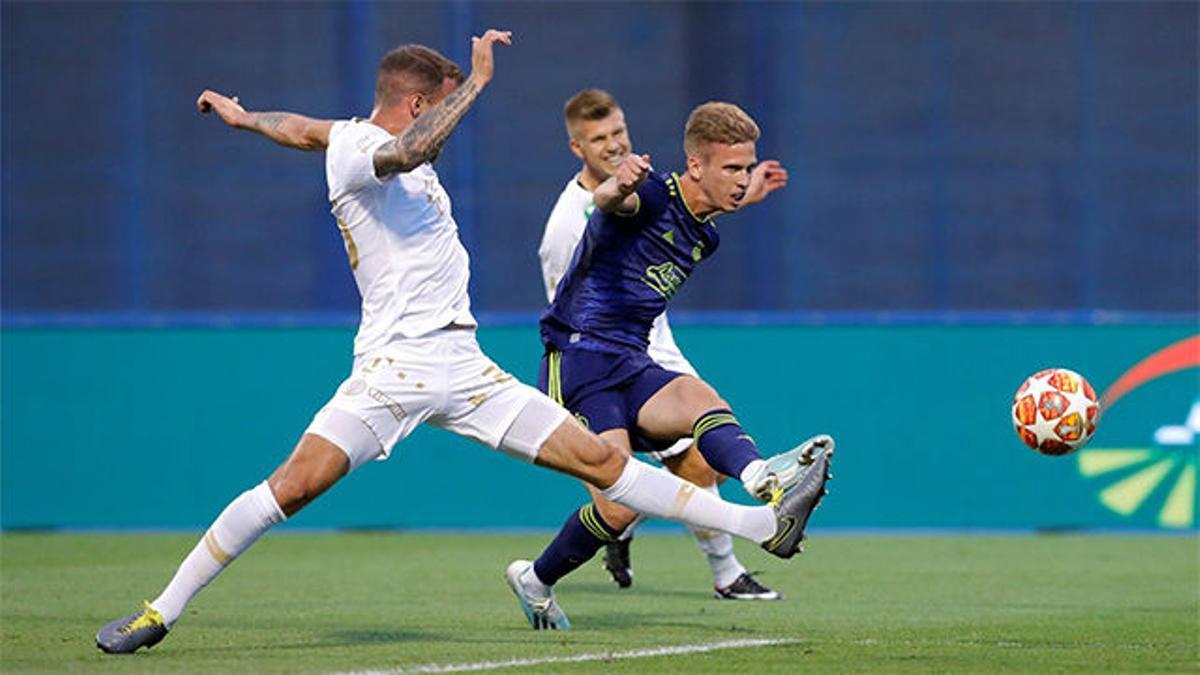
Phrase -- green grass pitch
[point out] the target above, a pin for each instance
(395, 602)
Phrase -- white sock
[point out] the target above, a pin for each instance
(641, 518)
(751, 475)
(655, 492)
(718, 548)
(239, 525)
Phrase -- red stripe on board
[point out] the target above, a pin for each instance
(1182, 354)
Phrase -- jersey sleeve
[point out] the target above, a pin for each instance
(653, 198)
(664, 350)
(564, 229)
(350, 158)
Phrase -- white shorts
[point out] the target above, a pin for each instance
(445, 379)
(666, 354)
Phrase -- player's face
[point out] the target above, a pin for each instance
(723, 172)
(601, 144)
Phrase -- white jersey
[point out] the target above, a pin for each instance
(564, 229)
(410, 267)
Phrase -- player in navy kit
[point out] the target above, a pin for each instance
(646, 237)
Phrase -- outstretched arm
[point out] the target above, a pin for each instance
(287, 129)
(766, 178)
(619, 192)
(422, 140)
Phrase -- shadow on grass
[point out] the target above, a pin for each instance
(619, 621)
(368, 637)
(637, 590)
(329, 640)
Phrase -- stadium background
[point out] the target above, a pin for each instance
(977, 191)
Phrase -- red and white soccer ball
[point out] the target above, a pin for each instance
(1055, 411)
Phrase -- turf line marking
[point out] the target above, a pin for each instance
(579, 658)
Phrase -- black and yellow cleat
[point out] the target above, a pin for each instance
(794, 507)
(127, 635)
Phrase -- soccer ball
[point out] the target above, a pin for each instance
(1055, 411)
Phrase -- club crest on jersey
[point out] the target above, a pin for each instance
(665, 279)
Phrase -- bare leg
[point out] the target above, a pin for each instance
(687, 406)
(638, 486)
(616, 516)
(673, 410)
(577, 452)
(690, 466)
(313, 467)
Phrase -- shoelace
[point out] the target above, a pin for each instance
(776, 497)
(146, 618)
(751, 578)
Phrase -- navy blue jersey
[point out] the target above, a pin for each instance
(626, 268)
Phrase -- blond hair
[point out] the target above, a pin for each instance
(717, 122)
(589, 105)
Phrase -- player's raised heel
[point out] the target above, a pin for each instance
(796, 506)
(784, 470)
(129, 634)
(542, 613)
(616, 561)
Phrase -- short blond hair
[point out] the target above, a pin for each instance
(588, 105)
(718, 122)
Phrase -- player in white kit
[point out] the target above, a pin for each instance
(416, 358)
(599, 136)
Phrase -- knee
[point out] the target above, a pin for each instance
(711, 403)
(291, 492)
(698, 395)
(606, 462)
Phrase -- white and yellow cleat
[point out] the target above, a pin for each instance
(543, 613)
(779, 473)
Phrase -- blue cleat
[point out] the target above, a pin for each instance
(131, 633)
(542, 613)
(793, 508)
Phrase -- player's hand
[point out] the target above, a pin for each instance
(228, 109)
(766, 178)
(483, 65)
(632, 173)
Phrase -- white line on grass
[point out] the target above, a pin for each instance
(579, 658)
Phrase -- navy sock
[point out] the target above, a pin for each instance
(724, 445)
(584, 533)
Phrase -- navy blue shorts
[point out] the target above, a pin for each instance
(605, 390)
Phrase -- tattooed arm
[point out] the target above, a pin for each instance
(423, 138)
(287, 129)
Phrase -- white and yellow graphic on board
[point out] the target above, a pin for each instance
(1172, 462)
(1159, 477)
